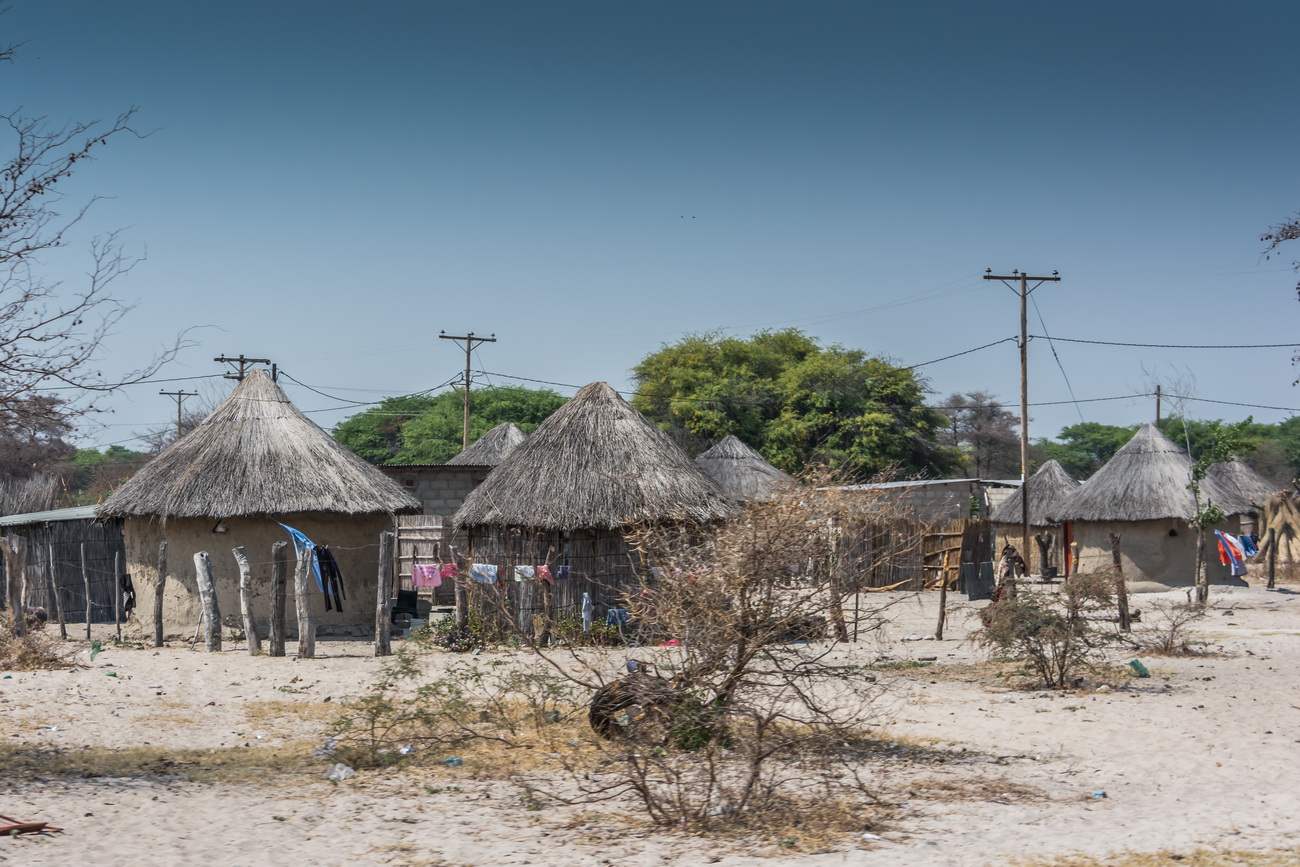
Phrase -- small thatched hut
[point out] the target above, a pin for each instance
(741, 472)
(1049, 487)
(257, 460)
(567, 495)
(1250, 485)
(491, 448)
(1142, 494)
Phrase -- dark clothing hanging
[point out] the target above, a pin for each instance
(128, 594)
(331, 577)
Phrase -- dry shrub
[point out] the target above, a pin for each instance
(406, 715)
(747, 709)
(1056, 635)
(1166, 632)
(34, 651)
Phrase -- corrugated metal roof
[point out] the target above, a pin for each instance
(76, 513)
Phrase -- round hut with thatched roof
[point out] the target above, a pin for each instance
(1142, 494)
(1049, 487)
(741, 471)
(1250, 485)
(566, 496)
(490, 449)
(254, 463)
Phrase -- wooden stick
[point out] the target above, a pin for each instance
(117, 597)
(85, 581)
(56, 591)
(279, 570)
(246, 601)
(208, 599)
(1272, 558)
(15, 551)
(302, 602)
(159, 583)
(1121, 590)
(943, 599)
(384, 597)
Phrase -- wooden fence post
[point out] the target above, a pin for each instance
(56, 591)
(117, 596)
(85, 583)
(208, 599)
(943, 596)
(279, 571)
(15, 553)
(306, 617)
(159, 583)
(1121, 590)
(1272, 558)
(246, 601)
(384, 600)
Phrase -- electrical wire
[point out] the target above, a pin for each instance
(1052, 346)
(1175, 345)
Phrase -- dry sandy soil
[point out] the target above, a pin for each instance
(1200, 756)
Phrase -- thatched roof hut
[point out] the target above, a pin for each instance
(1049, 487)
(1282, 516)
(741, 471)
(1145, 480)
(257, 454)
(491, 448)
(595, 463)
(255, 462)
(1141, 497)
(1239, 477)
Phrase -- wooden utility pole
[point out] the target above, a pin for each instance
(180, 398)
(243, 365)
(1157, 405)
(470, 342)
(1024, 279)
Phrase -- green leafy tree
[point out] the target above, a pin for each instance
(428, 430)
(1082, 448)
(794, 400)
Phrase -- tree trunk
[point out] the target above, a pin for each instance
(208, 599)
(1121, 589)
(279, 572)
(1202, 576)
(15, 553)
(159, 585)
(246, 601)
(302, 602)
(384, 597)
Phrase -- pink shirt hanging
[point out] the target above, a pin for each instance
(425, 576)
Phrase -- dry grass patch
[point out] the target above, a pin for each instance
(35, 651)
(995, 790)
(227, 765)
(1166, 858)
(320, 715)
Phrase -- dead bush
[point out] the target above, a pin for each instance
(33, 651)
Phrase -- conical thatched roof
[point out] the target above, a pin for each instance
(1049, 488)
(595, 463)
(1146, 480)
(740, 471)
(491, 448)
(257, 454)
(1249, 484)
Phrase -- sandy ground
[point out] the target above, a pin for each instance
(1203, 754)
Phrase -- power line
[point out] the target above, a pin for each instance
(1052, 346)
(959, 354)
(1174, 345)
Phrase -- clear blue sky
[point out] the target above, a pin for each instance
(329, 184)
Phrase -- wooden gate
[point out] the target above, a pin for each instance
(423, 539)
